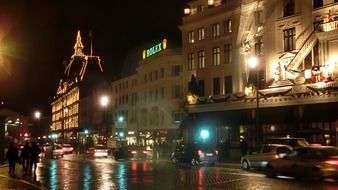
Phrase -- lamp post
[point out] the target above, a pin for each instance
(37, 116)
(104, 100)
(253, 62)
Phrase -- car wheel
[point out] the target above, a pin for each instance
(245, 165)
(269, 171)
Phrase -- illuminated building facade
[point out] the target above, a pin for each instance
(294, 43)
(150, 101)
(75, 106)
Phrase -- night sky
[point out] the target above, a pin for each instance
(37, 36)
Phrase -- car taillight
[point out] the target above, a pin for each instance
(199, 152)
(332, 162)
(133, 151)
(277, 156)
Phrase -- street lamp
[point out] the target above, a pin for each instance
(37, 116)
(253, 63)
(104, 101)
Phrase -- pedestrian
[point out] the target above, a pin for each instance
(244, 147)
(34, 157)
(12, 156)
(24, 157)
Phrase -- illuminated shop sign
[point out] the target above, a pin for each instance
(155, 49)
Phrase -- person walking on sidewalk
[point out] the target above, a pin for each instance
(34, 157)
(24, 157)
(12, 156)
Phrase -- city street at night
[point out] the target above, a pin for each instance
(177, 95)
(76, 172)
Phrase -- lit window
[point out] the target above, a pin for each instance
(191, 38)
(201, 34)
(191, 61)
(201, 59)
(216, 57)
(227, 26)
(215, 30)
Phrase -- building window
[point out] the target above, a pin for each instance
(289, 39)
(150, 76)
(162, 92)
(156, 75)
(259, 17)
(162, 73)
(216, 57)
(175, 70)
(215, 30)
(177, 117)
(201, 34)
(191, 61)
(191, 38)
(227, 26)
(228, 84)
(227, 53)
(317, 3)
(201, 59)
(201, 87)
(216, 86)
(289, 7)
(145, 78)
(176, 91)
(259, 45)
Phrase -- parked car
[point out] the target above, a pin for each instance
(67, 148)
(195, 154)
(137, 152)
(316, 162)
(121, 153)
(99, 150)
(291, 141)
(259, 157)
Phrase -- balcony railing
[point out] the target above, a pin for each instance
(325, 27)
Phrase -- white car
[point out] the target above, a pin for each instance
(56, 151)
(67, 148)
(99, 150)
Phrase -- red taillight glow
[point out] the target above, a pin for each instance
(277, 156)
(200, 152)
(332, 162)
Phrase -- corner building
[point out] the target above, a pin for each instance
(293, 88)
(147, 105)
(75, 106)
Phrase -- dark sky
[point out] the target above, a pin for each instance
(36, 36)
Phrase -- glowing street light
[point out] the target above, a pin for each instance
(104, 101)
(37, 114)
(253, 63)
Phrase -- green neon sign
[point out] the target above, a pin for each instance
(155, 49)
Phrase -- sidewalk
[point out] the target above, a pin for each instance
(28, 182)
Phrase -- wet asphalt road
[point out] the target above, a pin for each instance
(79, 172)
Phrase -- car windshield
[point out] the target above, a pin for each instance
(294, 142)
(100, 147)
